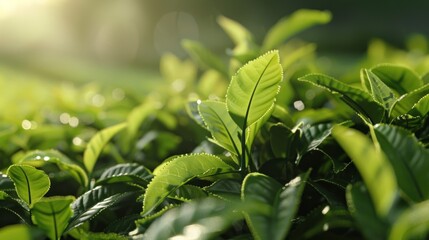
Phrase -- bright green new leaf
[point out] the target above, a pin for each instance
(21, 232)
(52, 215)
(31, 184)
(408, 158)
(362, 209)
(135, 119)
(201, 220)
(280, 204)
(38, 157)
(204, 57)
(375, 169)
(126, 172)
(224, 130)
(92, 202)
(245, 48)
(380, 91)
(179, 171)
(405, 103)
(413, 223)
(399, 78)
(297, 22)
(253, 89)
(97, 143)
(358, 100)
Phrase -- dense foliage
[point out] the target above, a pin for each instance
(262, 147)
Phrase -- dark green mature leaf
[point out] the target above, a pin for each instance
(399, 78)
(178, 172)
(92, 202)
(280, 204)
(288, 26)
(52, 215)
(126, 172)
(375, 169)
(97, 143)
(362, 209)
(405, 103)
(31, 184)
(380, 91)
(225, 189)
(413, 223)
(357, 99)
(313, 136)
(408, 158)
(201, 220)
(283, 141)
(204, 57)
(224, 130)
(253, 89)
(38, 157)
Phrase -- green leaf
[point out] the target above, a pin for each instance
(224, 130)
(179, 171)
(225, 189)
(422, 106)
(136, 117)
(97, 143)
(413, 223)
(405, 103)
(253, 89)
(280, 204)
(196, 220)
(204, 57)
(52, 215)
(283, 141)
(399, 78)
(380, 91)
(31, 184)
(38, 157)
(375, 169)
(126, 172)
(92, 202)
(297, 22)
(408, 159)
(187, 193)
(245, 48)
(21, 232)
(357, 99)
(313, 136)
(194, 113)
(362, 209)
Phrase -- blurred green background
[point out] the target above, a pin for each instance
(64, 37)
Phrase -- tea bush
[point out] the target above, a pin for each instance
(259, 147)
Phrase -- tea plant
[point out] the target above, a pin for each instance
(351, 164)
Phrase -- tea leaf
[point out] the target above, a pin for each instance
(380, 91)
(413, 223)
(357, 99)
(52, 215)
(280, 204)
(178, 172)
(405, 103)
(97, 143)
(204, 57)
(408, 159)
(362, 209)
(204, 219)
(224, 130)
(376, 171)
(126, 172)
(297, 22)
(398, 78)
(253, 89)
(31, 184)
